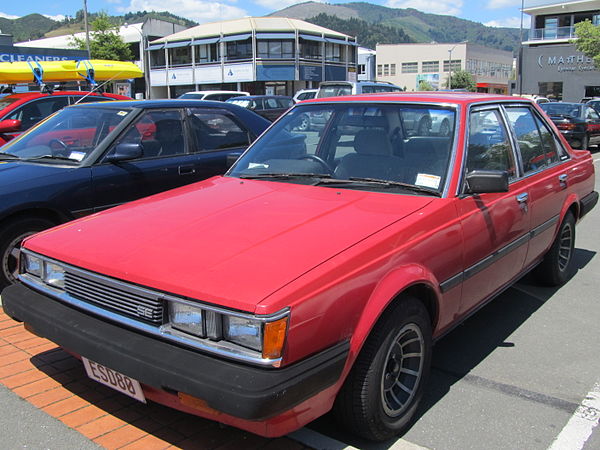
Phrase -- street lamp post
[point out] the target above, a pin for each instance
(450, 67)
(87, 29)
(145, 64)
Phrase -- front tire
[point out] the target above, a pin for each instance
(555, 268)
(11, 237)
(380, 397)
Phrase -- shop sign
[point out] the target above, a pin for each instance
(12, 57)
(569, 63)
(238, 72)
(179, 77)
(311, 73)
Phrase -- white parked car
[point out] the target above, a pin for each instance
(219, 96)
(305, 94)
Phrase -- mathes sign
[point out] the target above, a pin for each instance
(571, 63)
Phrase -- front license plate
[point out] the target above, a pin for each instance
(114, 379)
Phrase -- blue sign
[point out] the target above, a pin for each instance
(275, 73)
(335, 73)
(15, 57)
(311, 73)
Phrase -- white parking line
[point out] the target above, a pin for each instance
(583, 421)
(319, 441)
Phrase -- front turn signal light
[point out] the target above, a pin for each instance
(274, 338)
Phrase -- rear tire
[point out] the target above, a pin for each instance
(379, 399)
(11, 237)
(555, 268)
(585, 142)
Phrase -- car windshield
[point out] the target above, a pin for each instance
(69, 135)
(562, 109)
(387, 147)
(192, 96)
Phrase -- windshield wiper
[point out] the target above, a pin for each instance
(8, 156)
(52, 157)
(383, 183)
(285, 175)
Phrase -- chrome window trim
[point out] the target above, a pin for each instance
(222, 348)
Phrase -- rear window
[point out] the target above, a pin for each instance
(334, 90)
(562, 109)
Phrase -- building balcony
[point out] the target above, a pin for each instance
(551, 34)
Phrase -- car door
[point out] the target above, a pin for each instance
(545, 168)
(218, 137)
(592, 119)
(166, 160)
(495, 226)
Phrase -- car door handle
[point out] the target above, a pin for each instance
(562, 179)
(523, 198)
(186, 170)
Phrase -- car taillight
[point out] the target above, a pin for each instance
(566, 126)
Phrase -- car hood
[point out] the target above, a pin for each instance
(226, 241)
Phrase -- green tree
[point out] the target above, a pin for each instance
(461, 79)
(425, 85)
(588, 40)
(105, 42)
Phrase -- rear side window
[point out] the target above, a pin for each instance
(215, 129)
(536, 142)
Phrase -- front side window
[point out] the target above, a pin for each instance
(215, 129)
(158, 132)
(488, 146)
(352, 146)
(32, 112)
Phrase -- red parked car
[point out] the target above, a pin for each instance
(319, 271)
(19, 112)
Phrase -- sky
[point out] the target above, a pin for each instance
(497, 13)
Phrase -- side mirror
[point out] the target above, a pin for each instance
(125, 152)
(10, 125)
(487, 181)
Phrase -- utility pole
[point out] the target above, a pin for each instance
(87, 29)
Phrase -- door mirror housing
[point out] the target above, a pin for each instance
(124, 152)
(487, 181)
(10, 125)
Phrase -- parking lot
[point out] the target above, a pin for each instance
(515, 375)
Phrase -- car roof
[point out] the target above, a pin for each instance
(35, 94)
(421, 97)
(249, 97)
(213, 92)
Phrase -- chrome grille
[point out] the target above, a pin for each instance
(116, 296)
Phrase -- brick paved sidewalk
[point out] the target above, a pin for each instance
(54, 381)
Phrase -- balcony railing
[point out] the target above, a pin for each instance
(544, 34)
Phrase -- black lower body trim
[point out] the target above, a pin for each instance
(587, 203)
(240, 390)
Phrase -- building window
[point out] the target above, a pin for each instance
(392, 69)
(362, 69)
(410, 67)
(157, 58)
(430, 66)
(352, 51)
(379, 70)
(275, 49)
(456, 65)
(180, 56)
(333, 52)
(310, 49)
(386, 70)
(206, 53)
(552, 89)
(239, 50)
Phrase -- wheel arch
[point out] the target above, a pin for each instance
(414, 281)
(47, 213)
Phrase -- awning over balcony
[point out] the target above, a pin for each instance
(237, 37)
(177, 44)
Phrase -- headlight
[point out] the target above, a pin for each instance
(32, 264)
(242, 331)
(54, 275)
(261, 334)
(186, 318)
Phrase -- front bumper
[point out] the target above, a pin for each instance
(243, 391)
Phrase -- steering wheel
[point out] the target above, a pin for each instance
(58, 147)
(320, 160)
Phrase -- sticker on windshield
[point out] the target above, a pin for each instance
(77, 156)
(427, 180)
(122, 113)
(258, 166)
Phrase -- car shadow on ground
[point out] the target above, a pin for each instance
(459, 352)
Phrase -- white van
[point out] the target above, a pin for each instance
(337, 88)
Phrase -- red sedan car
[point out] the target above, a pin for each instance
(319, 271)
(19, 112)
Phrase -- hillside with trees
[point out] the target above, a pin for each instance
(417, 25)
